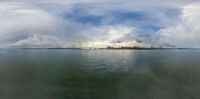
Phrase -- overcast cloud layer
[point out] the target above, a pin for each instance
(65, 23)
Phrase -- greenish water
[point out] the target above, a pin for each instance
(99, 74)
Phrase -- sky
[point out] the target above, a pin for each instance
(99, 23)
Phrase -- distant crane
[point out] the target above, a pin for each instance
(119, 43)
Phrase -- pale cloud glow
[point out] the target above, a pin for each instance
(112, 44)
(117, 33)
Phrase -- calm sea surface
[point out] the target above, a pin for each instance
(99, 74)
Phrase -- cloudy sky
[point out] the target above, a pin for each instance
(65, 23)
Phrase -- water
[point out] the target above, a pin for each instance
(99, 74)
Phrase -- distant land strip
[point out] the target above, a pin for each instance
(112, 48)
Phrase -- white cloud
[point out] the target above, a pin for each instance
(38, 41)
(101, 37)
(108, 33)
(97, 37)
(113, 33)
(186, 33)
(17, 19)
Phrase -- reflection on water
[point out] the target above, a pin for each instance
(99, 74)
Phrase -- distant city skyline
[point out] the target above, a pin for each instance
(99, 23)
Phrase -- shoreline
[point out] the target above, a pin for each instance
(108, 48)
